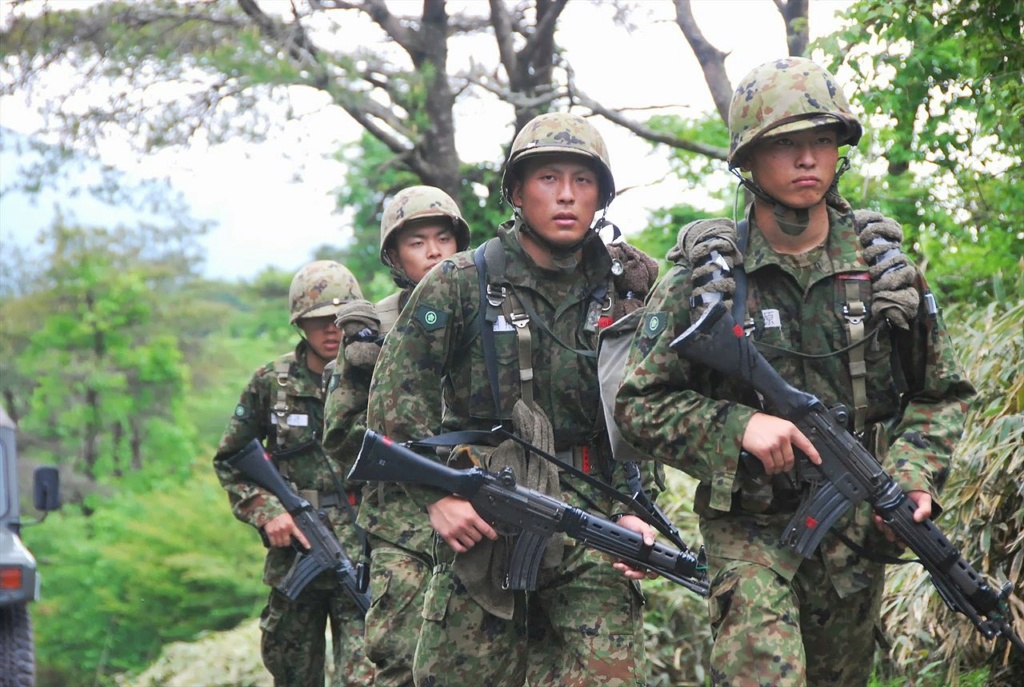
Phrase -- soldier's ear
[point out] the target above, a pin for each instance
(517, 194)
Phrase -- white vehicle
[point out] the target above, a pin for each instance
(19, 579)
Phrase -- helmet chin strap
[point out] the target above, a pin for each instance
(563, 257)
(792, 221)
(398, 275)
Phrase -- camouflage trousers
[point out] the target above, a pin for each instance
(768, 631)
(398, 581)
(582, 627)
(294, 643)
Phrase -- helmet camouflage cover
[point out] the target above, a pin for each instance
(560, 132)
(785, 96)
(320, 288)
(418, 202)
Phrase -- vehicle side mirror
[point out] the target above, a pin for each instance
(46, 489)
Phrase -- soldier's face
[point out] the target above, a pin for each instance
(796, 169)
(558, 196)
(323, 335)
(419, 246)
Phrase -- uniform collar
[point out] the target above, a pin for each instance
(842, 250)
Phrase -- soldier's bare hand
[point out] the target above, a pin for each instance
(771, 440)
(631, 522)
(458, 523)
(923, 501)
(281, 530)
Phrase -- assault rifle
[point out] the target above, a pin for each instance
(325, 551)
(848, 474)
(537, 516)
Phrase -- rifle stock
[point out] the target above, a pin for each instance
(325, 551)
(848, 474)
(537, 516)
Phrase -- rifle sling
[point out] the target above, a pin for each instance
(491, 438)
(871, 556)
(492, 249)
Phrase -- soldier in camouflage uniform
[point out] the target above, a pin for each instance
(282, 406)
(582, 626)
(420, 226)
(838, 315)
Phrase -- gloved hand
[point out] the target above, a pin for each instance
(696, 243)
(360, 326)
(893, 279)
(634, 273)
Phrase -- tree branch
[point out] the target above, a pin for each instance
(711, 59)
(647, 133)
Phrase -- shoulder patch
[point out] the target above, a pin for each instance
(241, 411)
(430, 318)
(654, 324)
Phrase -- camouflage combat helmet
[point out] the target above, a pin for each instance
(417, 202)
(560, 132)
(320, 288)
(785, 96)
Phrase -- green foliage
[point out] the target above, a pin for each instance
(708, 177)
(145, 568)
(102, 373)
(943, 102)
(983, 509)
(374, 176)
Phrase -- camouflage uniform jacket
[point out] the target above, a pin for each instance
(694, 418)
(296, 452)
(347, 396)
(431, 377)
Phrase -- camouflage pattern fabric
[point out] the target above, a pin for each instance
(785, 96)
(399, 565)
(293, 641)
(695, 420)
(581, 627)
(319, 288)
(801, 622)
(435, 340)
(398, 583)
(559, 132)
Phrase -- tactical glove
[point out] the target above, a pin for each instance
(360, 326)
(709, 246)
(634, 273)
(893, 278)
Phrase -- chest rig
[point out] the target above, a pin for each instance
(854, 311)
(501, 306)
(282, 412)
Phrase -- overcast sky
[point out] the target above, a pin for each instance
(272, 203)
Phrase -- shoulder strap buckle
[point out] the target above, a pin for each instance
(496, 295)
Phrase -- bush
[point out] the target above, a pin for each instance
(144, 569)
(983, 513)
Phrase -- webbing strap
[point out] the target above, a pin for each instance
(280, 409)
(487, 327)
(516, 316)
(854, 312)
(739, 275)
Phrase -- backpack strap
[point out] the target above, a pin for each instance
(280, 410)
(502, 309)
(487, 317)
(855, 314)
